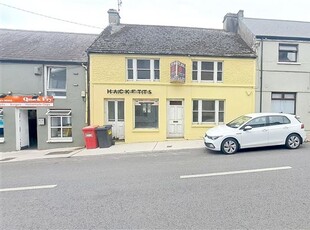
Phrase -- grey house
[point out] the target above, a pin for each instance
(42, 89)
(283, 62)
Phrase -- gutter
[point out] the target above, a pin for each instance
(261, 77)
(284, 38)
(88, 91)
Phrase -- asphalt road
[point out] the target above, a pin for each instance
(188, 189)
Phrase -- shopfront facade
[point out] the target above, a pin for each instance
(145, 99)
(43, 91)
(153, 83)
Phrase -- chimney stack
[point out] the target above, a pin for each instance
(114, 18)
(231, 21)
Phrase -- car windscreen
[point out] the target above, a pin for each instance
(238, 122)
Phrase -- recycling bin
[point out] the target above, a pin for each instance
(104, 136)
(90, 137)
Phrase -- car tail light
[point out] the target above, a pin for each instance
(302, 126)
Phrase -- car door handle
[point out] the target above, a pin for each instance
(175, 122)
(265, 130)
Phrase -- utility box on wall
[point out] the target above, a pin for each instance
(41, 121)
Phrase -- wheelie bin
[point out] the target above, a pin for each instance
(104, 136)
(90, 137)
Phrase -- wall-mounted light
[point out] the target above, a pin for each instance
(35, 96)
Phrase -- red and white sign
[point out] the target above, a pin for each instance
(177, 72)
(27, 101)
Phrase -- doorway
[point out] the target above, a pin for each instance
(115, 117)
(26, 133)
(175, 119)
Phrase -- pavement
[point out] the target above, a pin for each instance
(118, 148)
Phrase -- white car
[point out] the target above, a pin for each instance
(256, 130)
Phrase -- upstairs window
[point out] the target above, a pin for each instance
(207, 71)
(142, 70)
(288, 53)
(56, 82)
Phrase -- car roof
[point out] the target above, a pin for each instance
(268, 114)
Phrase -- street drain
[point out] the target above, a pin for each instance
(59, 152)
(7, 159)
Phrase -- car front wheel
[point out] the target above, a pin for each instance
(229, 146)
(293, 141)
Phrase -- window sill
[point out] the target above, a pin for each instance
(206, 125)
(143, 80)
(59, 141)
(193, 81)
(1, 140)
(289, 63)
(146, 130)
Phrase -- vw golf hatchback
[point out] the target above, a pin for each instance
(256, 130)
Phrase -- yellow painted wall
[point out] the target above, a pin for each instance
(109, 72)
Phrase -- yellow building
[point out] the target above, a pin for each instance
(152, 83)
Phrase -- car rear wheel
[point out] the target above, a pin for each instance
(293, 141)
(229, 146)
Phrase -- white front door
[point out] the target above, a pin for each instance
(175, 118)
(22, 132)
(115, 117)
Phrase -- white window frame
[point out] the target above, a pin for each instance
(58, 113)
(2, 138)
(215, 71)
(135, 69)
(47, 78)
(217, 112)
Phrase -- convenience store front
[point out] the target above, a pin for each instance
(20, 119)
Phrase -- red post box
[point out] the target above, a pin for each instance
(90, 137)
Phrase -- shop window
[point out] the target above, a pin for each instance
(1, 126)
(283, 102)
(208, 111)
(142, 70)
(60, 125)
(56, 82)
(146, 114)
(207, 71)
(288, 53)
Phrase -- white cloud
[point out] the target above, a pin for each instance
(194, 13)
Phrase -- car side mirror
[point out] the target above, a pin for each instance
(246, 128)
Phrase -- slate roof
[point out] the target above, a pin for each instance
(278, 28)
(23, 45)
(169, 40)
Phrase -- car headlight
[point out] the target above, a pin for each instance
(213, 137)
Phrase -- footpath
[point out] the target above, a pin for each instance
(118, 148)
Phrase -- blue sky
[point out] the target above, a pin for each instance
(193, 13)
